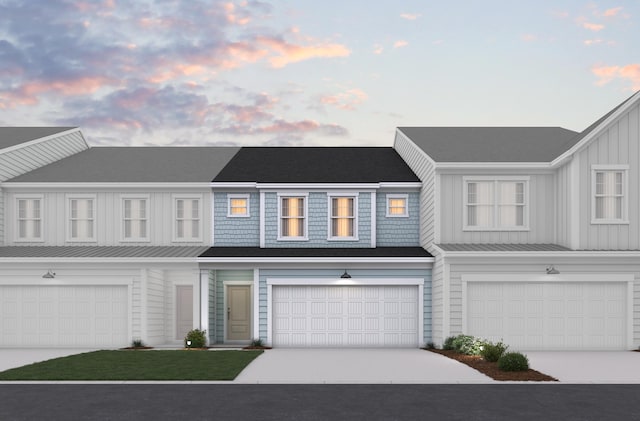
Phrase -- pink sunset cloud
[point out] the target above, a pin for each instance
(593, 26)
(630, 72)
(400, 44)
(612, 12)
(291, 53)
(29, 93)
(347, 100)
(410, 16)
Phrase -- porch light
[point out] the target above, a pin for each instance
(552, 271)
(49, 275)
(188, 344)
(345, 275)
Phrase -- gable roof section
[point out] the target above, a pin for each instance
(491, 144)
(316, 165)
(13, 136)
(135, 164)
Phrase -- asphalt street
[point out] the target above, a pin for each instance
(318, 402)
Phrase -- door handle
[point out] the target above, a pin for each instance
(228, 312)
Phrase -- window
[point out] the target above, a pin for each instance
(342, 218)
(29, 211)
(187, 213)
(81, 219)
(238, 206)
(134, 219)
(293, 210)
(609, 194)
(492, 204)
(397, 206)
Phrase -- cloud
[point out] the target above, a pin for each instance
(629, 72)
(288, 127)
(590, 42)
(528, 37)
(347, 100)
(291, 53)
(378, 49)
(612, 12)
(410, 16)
(400, 44)
(593, 26)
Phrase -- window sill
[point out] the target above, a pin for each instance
(135, 240)
(343, 239)
(75, 240)
(238, 216)
(608, 222)
(292, 239)
(29, 240)
(397, 216)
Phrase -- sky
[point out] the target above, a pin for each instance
(309, 72)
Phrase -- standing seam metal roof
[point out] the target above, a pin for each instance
(102, 251)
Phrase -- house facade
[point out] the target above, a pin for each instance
(535, 231)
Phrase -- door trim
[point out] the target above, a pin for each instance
(224, 310)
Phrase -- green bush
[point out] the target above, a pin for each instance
(468, 345)
(492, 352)
(448, 343)
(137, 343)
(513, 361)
(197, 337)
(430, 345)
(257, 342)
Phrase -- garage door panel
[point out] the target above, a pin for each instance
(352, 316)
(571, 315)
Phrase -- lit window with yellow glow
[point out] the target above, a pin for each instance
(342, 217)
(397, 206)
(292, 217)
(238, 206)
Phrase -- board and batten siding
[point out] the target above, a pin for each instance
(108, 222)
(155, 307)
(30, 157)
(563, 206)
(424, 169)
(541, 213)
(619, 143)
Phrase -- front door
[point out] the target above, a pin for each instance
(238, 312)
(184, 310)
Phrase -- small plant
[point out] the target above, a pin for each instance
(196, 338)
(137, 343)
(468, 345)
(513, 361)
(448, 343)
(430, 345)
(257, 343)
(492, 352)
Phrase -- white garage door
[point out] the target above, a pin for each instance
(549, 316)
(63, 316)
(345, 316)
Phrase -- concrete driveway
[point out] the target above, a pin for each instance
(17, 357)
(357, 366)
(588, 367)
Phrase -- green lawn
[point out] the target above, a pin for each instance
(138, 365)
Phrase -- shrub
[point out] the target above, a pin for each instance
(197, 337)
(492, 352)
(137, 343)
(468, 345)
(430, 345)
(513, 361)
(448, 343)
(257, 342)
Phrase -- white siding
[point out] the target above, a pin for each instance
(541, 213)
(437, 294)
(30, 157)
(155, 307)
(108, 224)
(563, 206)
(422, 167)
(619, 143)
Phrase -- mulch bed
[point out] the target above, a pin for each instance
(256, 347)
(492, 370)
(137, 347)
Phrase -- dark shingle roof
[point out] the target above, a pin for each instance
(102, 251)
(11, 136)
(316, 165)
(316, 252)
(492, 144)
(135, 164)
(503, 247)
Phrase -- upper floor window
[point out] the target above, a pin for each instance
(29, 219)
(187, 219)
(82, 215)
(342, 218)
(238, 205)
(397, 205)
(292, 217)
(135, 219)
(495, 204)
(609, 201)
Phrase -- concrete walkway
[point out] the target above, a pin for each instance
(357, 366)
(588, 367)
(17, 357)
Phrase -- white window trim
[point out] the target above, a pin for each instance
(144, 197)
(174, 198)
(17, 237)
(238, 196)
(350, 195)
(68, 199)
(495, 180)
(625, 192)
(406, 204)
(304, 195)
